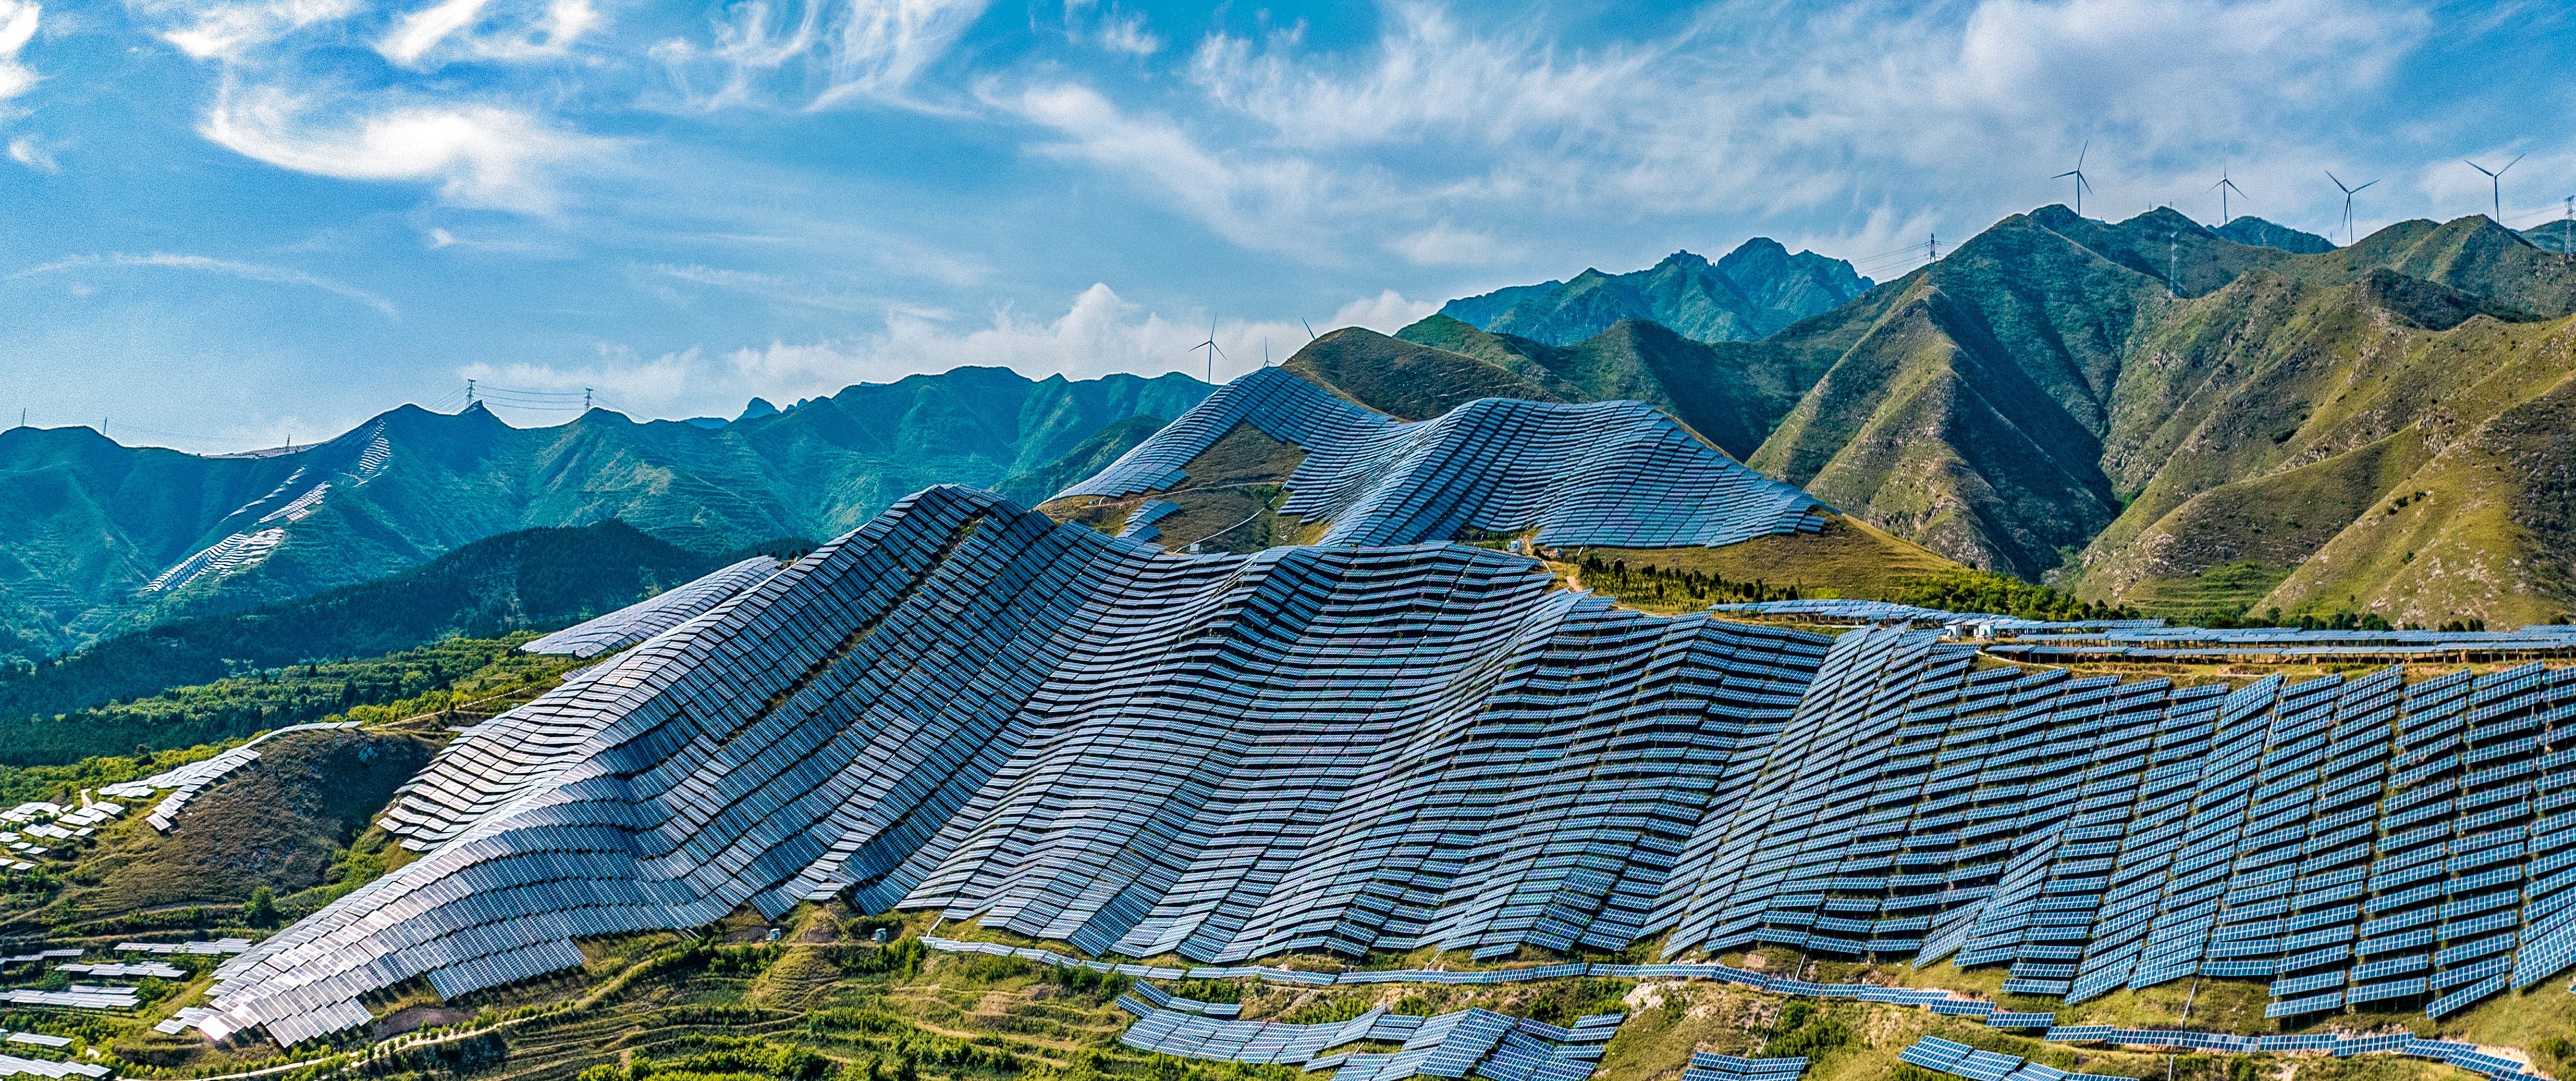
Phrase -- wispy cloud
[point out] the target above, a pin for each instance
(766, 286)
(25, 150)
(1113, 28)
(17, 27)
(227, 30)
(478, 155)
(1261, 201)
(1448, 132)
(449, 29)
(814, 54)
(252, 271)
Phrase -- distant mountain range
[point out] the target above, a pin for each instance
(2160, 413)
(100, 537)
(1751, 293)
(530, 579)
(2206, 422)
(2256, 231)
(2557, 236)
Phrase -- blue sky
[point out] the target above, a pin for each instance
(235, 221)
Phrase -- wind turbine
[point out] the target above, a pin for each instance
(2348, 192)
(1212, 351)
(2224, 186)
(2077, 172)
(2495, 181)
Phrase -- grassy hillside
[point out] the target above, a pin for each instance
(535, 579)
(1848, 558)
(464, 669)
(1411, 379)
(2371, 447)
(1732, 395)
(2121, 406)
(297, 822)
(87, 525)
(1086, 458)
(811, 996)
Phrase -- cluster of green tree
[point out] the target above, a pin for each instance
(2335, 621)
(452, 1058)
(720, 1056)
(1803, 1031)
(1995, 594)
(1617, 578)
(1562, 1002)
(529, 580)
(428, 678)
(2343, 621)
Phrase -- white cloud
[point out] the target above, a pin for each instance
(205, 264)
(1259, 202)
(1115, 29)
(17, 27)
(25, 150)
(448, 29)
(1441, 131)
(1126, 33)
(478, 155)
(2532, 188)
(1385, 313)
(228, 30)
(767, 286)
(1428, 77)
(854, 50)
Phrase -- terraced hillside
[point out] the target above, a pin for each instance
(1881, 794)
(1858, 841)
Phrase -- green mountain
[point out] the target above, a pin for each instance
(2391, 445)
(2157, 413)
(1086, 458)
(1750, 293)
(2557, 236)
(96, 537)
(535, 579)
(2256, 231)
(1984, 405)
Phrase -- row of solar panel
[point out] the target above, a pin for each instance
(965, 707)
(1961, 1060)
(670, 608)
(1599, 473)
(1478, 1041)
(2465, 1056)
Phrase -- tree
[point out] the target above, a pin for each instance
(262, 909)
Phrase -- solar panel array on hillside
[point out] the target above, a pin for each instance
(1476, 1042)
(2153, 640)
(1598, 473)
(661, 612)
(965, 707)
